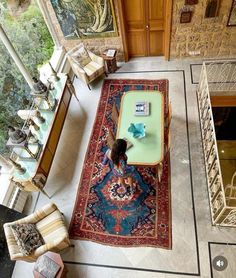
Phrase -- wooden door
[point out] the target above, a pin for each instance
(145, 24)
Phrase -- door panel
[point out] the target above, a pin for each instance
(134, 10)
(156, 9)
(135, 21)
(156, 27)
(137, 43)
(156, 43)
(144, 27)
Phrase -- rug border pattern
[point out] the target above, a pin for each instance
(113, 240)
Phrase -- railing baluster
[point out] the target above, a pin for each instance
(213, 75)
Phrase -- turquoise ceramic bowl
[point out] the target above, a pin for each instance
(137, 130)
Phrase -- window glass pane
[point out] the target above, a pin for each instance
(27, 31)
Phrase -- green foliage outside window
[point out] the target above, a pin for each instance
(30, 37)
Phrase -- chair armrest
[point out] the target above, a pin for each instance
(56, 245)
(37, 215)
(13, 248)
(21, 257)
(99, 60)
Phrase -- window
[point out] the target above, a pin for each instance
(31, 39)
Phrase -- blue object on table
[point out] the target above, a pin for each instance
(137, 130)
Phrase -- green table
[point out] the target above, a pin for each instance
(150, 149)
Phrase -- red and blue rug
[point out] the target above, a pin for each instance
(108, 213)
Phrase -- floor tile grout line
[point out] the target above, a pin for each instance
(144, 71)
(191, 176)
(191, 71)
(210, 258)
(131, 268)
(222, 243)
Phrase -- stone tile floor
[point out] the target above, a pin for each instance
(191, 223)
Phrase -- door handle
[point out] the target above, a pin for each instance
(147, 26)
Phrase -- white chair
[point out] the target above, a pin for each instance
(86, 65)
(50, 223)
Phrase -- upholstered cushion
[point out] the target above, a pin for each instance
(93, 70)
(52, 227)
(27, 237)
(81, 56)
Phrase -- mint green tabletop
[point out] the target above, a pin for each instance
(149, 149)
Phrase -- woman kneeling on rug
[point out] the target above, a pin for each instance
(118, 159)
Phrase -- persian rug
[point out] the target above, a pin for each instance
(112, 214)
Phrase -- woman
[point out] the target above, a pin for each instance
(118, 160)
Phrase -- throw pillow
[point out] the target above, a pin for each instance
(27, 237)
(81, 57)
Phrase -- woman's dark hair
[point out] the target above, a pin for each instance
(118, 150)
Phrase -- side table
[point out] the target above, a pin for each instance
(57, 259)
(110, 62)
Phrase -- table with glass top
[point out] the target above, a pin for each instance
(37, 170)
(149, 150)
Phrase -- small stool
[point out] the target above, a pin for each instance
(56, 258)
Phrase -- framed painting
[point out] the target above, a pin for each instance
(81, 19)
(232, 15)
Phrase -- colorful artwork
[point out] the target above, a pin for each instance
(85, 18)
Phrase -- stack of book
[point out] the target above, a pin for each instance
(142, 108)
